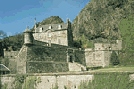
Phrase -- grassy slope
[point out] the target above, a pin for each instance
(116, 69)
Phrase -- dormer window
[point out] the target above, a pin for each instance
(110, 48)
(41, 29)
(50, 27)
(59, 26)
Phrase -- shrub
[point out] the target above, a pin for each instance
(114, 58)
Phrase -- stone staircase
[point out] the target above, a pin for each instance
(76, 67)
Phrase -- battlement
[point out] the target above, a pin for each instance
(117, 45)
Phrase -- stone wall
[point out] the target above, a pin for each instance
(62, 80)
(49, 81)
(21, 60)
(10, 54)
(97, 58)
(102, 46)
(56, 37)
(117, 45)
(46, 67)
(107, 56)
(80, 57)
(45, 53)
(7, 80)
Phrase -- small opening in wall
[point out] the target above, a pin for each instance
(75, 86)
(71, 59)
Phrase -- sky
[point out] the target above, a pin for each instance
(16, 15)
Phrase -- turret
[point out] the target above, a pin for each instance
(28, 37)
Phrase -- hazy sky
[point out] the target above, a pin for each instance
(16, 15)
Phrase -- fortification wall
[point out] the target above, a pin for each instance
(107, 55)
(49, 81)
(46, 67)
(10, 54)
(21, 60)
(97, 58)
(80, 57)
(40, 53)
(102, 46)
(89, 57)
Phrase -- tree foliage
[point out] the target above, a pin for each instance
(114, 58)
(52, 20)
(13, 42)
(2, 34)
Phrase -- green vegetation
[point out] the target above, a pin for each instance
(115, 69)
(13, 42)
(22, 81)
(52, 20)
(114, 58)
(110, 20)
(101, 19)
(127, 33)
(4, 61)
(85, 42)
(109, 81)
(19, 81)
(4, 86)
(56, 87)
(31, 82)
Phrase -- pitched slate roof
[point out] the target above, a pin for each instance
(53, 27)
(3, 68)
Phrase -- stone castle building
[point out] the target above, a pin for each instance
(48, 48)
(54, 33)
(101, 54)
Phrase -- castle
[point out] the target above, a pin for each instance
(48, 48)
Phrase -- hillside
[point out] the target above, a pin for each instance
(100, 18)
(52, 20)
(107, 19)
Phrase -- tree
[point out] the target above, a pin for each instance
(2, 34)
(114, 58)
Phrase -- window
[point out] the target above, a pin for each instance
(41, 29)
(50, 27)
(59, 26)
(71, 59)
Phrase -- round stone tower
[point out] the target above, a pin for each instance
(28, 37)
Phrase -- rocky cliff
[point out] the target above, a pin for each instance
(101, 18)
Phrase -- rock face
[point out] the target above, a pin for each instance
(100, 18)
